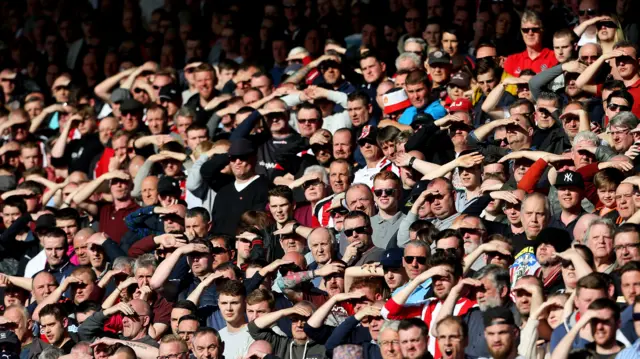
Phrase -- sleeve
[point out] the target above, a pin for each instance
(92, 327)
(112, 250)
(476, 207)
(194, 182)
(338, 97)
(278, 343)
(541, 80)
(342, 333)
(8, 237)
(143, 172)
(336, 121)
(418, 140)
(145, 245)
(318, 335)
(590, 191)
(211, 172)
(509, 65)
(291, 100)
(528, 339)
(395, 311)
(244, 129)
(557, 336)
(135, 221)
(403, 230)
(229, 87)
(212, 124)
(532, 176)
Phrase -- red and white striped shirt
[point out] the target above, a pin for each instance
(427, 311)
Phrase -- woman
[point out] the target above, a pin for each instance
(609, 32)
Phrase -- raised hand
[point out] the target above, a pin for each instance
(505, 195)
(469, 160)
(330, 268)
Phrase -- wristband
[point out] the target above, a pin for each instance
(295, 226)
(413, 159)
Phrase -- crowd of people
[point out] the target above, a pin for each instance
(309, 179)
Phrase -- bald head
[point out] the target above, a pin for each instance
(141, 307)
(80, 245)
(259, 346)
(296, 258)
(149, 190)
(135, 165)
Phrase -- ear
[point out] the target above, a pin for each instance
(383, 66)
(209, 226)
(504, 292)
(65, 322)
(370, 108)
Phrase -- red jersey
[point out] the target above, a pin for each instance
(514, 64)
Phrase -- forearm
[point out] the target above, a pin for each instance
(542, 79)
(317, 319)
(294, 279)
(58, 149)
(564, 347)
(194, 297)
(585, 124)
(128, 83)
(54, 297)
(194, 179)
(484, 131)
(441, 171)
(337, 97)
(447, 309)
(267, 320)
(493, 98)
(37, 121)
(92, 327)
(143, 351)
(528, 339)
(403, 231)
(103, 89)
(587, 75)
(111, 300)
(164, 270)
(468, 260)
(88, 190)
(403, 294)
(341, 333)
(424, 167)
(22, 282)
(299, 75)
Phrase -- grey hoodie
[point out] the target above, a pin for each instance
(287, 348)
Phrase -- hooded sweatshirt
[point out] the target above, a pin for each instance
(287, 348)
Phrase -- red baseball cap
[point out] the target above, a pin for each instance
(462, 104)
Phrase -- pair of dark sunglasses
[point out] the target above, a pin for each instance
(358, 230)
(386, 191)
(419, 259)
(607, 24)
(616, 107)
(308, 184)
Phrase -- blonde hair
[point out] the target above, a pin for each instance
(174, 338)
(202, 147)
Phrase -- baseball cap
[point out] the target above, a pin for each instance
(119, 95)
(498, 315)
(569, 178)
(439, 57)
(420, 187)
(241, 147)
(395, 100)
(168, 185)
(557, 237)
(131, 105)
(170, 93)
(368, 135)
(461, 79)
(297, 53)
(462, 104)
(392, 258)
(10, 338)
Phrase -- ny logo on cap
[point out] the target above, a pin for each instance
(437, 54)
(568, 177)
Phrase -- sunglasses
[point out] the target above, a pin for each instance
(8, 80)
(386, 191)
(359, 230)
(473, 231)
(500, 141)
(607, 24)
(566, 263)
(285, 269)
(590, 12)
(433, 197)
(588, 58)
(309, 121)
(529, 30)
(615, 107)
(636, 317)
(126, 113)
(412, 19)
(419, 259)
(498, 255)
(308, 184)
(58, 88)
(243, 158)
(329, 64)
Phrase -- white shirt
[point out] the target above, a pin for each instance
(236, 343)
(365, 175)
(36, 264)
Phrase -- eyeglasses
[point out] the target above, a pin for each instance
(358, 230)
(590, 12)
(412, 19)
(173, 356)
(628, 247)
(498, 255)
(529, 30)
(621, 132)
(309, 121)
(309, 184)
(419, 259)
(386, 191)
(616, 107)
(607, 24)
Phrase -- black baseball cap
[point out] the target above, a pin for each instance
(569, 178)
(170, 93)
(498, 315)
(169, 186)
(241, 147)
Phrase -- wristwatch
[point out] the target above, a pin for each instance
(295, 226)
(411, 162)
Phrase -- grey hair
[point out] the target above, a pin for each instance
(51, 353)
(145, 261)
(123, 262)
(419, 244)
(388, 324)
(497, 275)
(318, 169)
(407, 55)
(624, 119)
(532, 17)
(185, 112)
(417, 40)
(600, 221)
(586, 136)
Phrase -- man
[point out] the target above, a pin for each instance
(343, 144)
(441, 195)
(17, 315)
(205, 79)
(549, 242)
(535, 57)
(488, 79)
(534, 216)
(55, 247)
(570, 186)
(111, 215)
(340, 174)
(501, 333)
(626, 244)
(589, 289)
(492, 290)
(412, 334)
(207, 344)
(197, 223)
(373, 156)
(625, 57)
(386, 222)
(170, 98)
(181, 309)
(373, 71)
(603, 318)
(417, 88)
(172, 346)
(414, 262)
(320, 246)
(247, 191)
(444, 273)
(136, 319)
(297, 347)
(629, 278)
(54, 324)
(453, 337)
(361, 249)
(232, 304)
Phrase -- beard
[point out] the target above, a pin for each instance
(489, 303)
(502, 353)
(549, 262)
